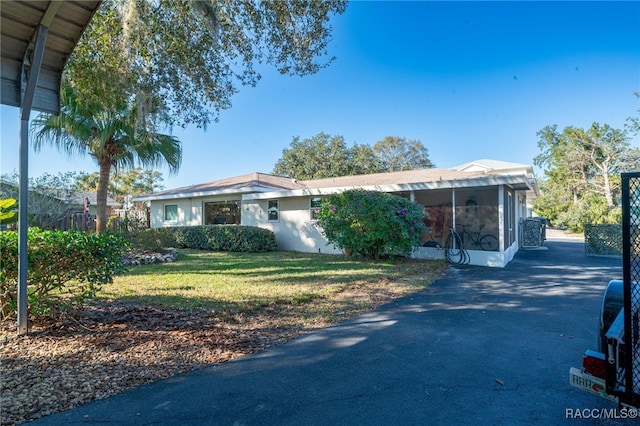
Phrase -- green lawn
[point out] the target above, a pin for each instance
(289, 284)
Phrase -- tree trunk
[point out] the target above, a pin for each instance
(101, 196)
(607, 190)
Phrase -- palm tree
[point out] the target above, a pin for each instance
(119, 137)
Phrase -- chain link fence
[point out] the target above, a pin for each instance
(631, 268)
(603, 239)
(533, 232)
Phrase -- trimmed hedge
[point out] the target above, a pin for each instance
(55, 259)
(232, 238)
(603, 239)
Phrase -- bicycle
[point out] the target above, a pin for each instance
(486, 242)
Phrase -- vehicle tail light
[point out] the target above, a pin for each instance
(594, 363)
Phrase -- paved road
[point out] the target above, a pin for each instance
(481, 346)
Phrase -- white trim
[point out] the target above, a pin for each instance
(510, 213)
(164, 213)
(501, 218)
(277, 200)
(311, 209)
(489, 180)
(494, 166)
(453, 211)
(180, 195)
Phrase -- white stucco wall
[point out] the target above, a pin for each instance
(294, 229)
(189, 213)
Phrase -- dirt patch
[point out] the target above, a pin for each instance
(559, 233)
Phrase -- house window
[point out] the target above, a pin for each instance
(315, 204)
(222, 213)
(273, 211)
(171, 212)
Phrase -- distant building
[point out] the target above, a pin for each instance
(56, 209)
(505, 168)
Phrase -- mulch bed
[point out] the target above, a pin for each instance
(105, 348)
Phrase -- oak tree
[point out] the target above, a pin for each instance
(398, 154)
(185, 59)
(582, 172)
(325, 156)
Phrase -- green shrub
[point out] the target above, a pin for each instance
(590, 209)
(127, 225)
(603, 239)
(231, 238)
(57, 258)
(153, 239)
(371, 223)
(614, 215)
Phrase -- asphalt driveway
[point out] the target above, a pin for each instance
(481, 346)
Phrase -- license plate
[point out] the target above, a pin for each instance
(589, 383)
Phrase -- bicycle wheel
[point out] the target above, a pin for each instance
(489, 243)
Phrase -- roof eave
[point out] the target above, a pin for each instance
(521, 181)
(65, 21)
(200, 194)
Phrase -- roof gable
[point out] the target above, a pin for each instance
(251, 182)
(492, 166)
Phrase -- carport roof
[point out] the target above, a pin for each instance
(19, 23)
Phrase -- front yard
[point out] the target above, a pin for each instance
(208, 307)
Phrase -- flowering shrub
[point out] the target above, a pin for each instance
(371, 223)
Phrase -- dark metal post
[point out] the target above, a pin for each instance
(31, 75)
(631, 276)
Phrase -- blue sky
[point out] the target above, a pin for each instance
(470, 80)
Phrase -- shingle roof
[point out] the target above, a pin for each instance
(391, 178)
(259, 185)
(250, 182)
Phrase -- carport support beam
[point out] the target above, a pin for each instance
(453, 208)
(31, 76)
